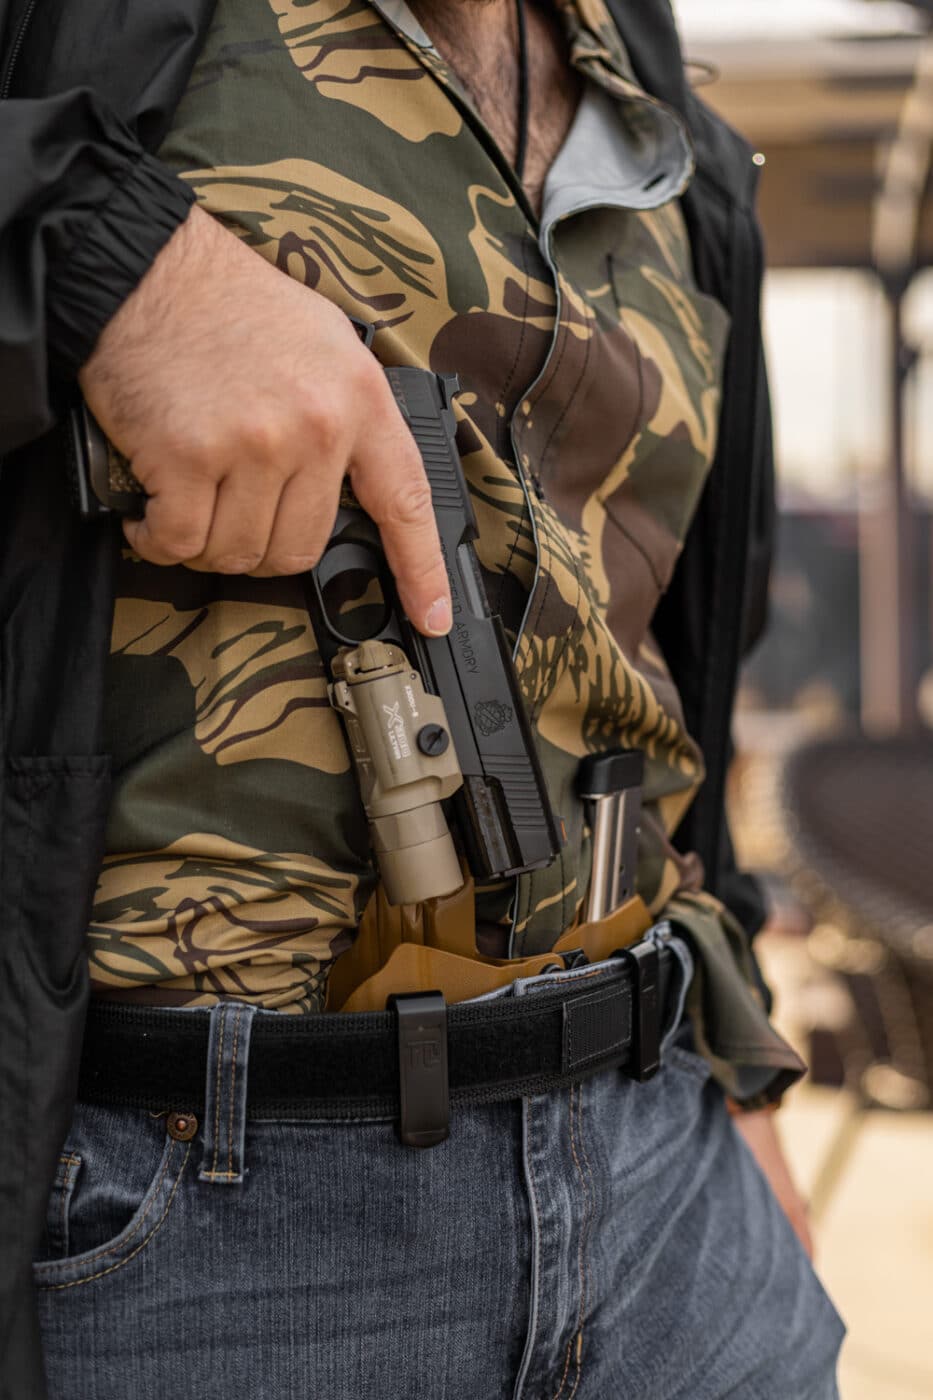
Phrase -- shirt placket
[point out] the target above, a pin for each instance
(397, 19)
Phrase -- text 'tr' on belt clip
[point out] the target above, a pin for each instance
(424, 1092)
(644, 964)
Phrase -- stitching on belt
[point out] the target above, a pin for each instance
(574, 1016)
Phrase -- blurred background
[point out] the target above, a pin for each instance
(832, 787)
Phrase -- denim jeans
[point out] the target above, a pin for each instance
(610, 1241)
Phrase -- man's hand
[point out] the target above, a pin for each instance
(762, 1140)
(242, 399)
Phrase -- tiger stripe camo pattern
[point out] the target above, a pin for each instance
(333, 139)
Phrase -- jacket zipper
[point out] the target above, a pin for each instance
(15, 50)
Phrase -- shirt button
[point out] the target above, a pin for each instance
(181, 1126)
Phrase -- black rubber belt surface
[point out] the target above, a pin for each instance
(346, 1066)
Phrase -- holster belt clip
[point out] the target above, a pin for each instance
(644, 964)
(424, 1091)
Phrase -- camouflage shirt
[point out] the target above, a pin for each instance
(331, 136)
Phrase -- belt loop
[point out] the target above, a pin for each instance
(225, 1093)
(424, 1090)
(663, 937)
(644, 964)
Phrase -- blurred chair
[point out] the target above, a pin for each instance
(858, 815)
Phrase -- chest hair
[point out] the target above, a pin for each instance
(479, 41)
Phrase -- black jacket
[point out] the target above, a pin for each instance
(87, 89)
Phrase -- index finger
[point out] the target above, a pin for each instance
(389, 481)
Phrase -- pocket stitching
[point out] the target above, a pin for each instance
(704, 304)
(68, 1165)
(81, 1261)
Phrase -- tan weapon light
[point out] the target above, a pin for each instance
(406, 766)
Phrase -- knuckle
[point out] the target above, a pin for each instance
(281, 564)
(200, 450)
(262, 437)
(178, 546)
(370, 378)
(175, 534)
(409, 505)
(310, 420)
(236, 562)
(237, 548)
(368, 386)
(326, 429)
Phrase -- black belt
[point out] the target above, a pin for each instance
(410, 1062)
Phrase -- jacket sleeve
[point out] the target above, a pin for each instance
(84, 211)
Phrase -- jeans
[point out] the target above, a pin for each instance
(610, 1241)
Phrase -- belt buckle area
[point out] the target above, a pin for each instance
(644, 966)
(424, 1086)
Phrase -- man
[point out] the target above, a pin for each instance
(584, 1236)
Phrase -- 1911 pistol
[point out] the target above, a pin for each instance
(434, 724)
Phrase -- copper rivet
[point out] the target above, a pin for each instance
(182, 1126)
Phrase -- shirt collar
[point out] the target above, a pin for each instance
(655, 133)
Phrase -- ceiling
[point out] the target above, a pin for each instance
(818, 87)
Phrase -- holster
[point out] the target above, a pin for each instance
(432, 947)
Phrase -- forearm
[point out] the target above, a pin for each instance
(760, 1135)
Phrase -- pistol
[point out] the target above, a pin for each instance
(436, 726)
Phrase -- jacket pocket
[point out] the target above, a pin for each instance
(118, 1179)
(55, 816)
(54, 812)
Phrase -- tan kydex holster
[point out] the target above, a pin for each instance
(432, 947)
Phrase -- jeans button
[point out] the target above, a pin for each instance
(182, 1126)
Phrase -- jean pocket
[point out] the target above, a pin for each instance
(58, 1215)
(117, 1181)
